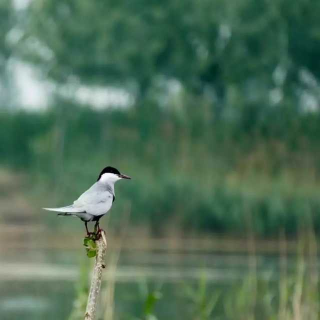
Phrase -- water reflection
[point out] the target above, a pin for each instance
(42, 285)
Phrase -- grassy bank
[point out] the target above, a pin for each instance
(190, 171)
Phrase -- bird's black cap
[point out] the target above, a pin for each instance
(108, 170)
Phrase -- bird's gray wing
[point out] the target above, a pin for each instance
(96, 200)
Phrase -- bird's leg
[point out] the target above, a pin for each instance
(97, 229)
(86, 224)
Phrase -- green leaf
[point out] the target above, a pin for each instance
(92, 244)
(91, 253)
(86, 242)
(150, 302)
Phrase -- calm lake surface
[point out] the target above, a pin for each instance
(41, 283)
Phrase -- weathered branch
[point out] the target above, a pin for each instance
(96, 278)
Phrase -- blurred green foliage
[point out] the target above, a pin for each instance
(222, 133)
(82, 292)
(201, 299)
(213, 180)
(292, 294)
(7, 23)
(227, 52)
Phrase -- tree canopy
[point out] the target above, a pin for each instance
(7, 23)
(225, 50)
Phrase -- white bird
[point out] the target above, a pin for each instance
(96, 201)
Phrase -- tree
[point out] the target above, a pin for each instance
(6, 24)
(231, 52)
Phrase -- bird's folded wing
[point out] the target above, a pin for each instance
(89, 200)
(93, 196)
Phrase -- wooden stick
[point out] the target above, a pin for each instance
(96, 278)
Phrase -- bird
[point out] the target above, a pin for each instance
(94, 203)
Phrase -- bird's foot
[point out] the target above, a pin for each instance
(91, 235)
(98, 233)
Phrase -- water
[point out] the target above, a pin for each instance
(33, 299)
(41, 284)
